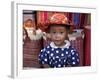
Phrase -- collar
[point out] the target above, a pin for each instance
(65, 46)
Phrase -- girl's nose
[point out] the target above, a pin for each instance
(57, 36)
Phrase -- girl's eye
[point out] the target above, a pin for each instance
(61, 32)
(53, 32)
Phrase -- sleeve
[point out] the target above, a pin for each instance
(73, 58)
(43, 57)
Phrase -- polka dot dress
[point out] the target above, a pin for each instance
(59, 57)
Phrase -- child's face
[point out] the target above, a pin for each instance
(58, 35)
(28, 24)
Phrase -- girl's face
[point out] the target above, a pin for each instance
(58, 35)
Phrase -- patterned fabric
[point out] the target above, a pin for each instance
(31, 50)
(78, 45)
(58, 18)
(59, 57)
(78, 19)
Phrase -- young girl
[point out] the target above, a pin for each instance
(59, 53)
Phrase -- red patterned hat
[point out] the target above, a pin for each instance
(58, 18)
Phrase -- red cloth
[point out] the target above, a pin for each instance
(87, 47)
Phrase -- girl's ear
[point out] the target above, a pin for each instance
(67, 38)
(71, 29)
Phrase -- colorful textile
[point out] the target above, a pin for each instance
(76, 19)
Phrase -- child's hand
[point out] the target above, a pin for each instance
(34, 31)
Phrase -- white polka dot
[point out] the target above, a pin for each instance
(78, 60)
(41, 55)
(50, 62)
(72, 50)
(62, 49)
(55, 61)
(45, 60)
(57, 56)
(77, 54)
(45, 54)
(64, 60)
(51, 54)
(73, 53)
(48, 51)
(66, 52)
(59, 65)
(52, 49)
(42, 62)
(41, 50)
(73, 63)
(57, 51)
(47, 46)
(73, 58)
(62, 54)
(59, 59)
(53, 58)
